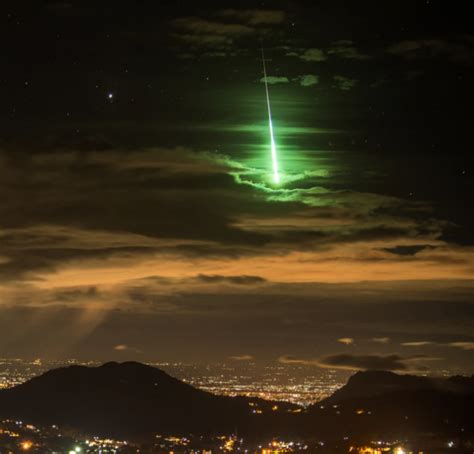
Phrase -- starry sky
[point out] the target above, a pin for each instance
(138, 216)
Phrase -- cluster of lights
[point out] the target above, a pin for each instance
(104, 443)
(225, 383)
(372, 450)
(229, 445)
(179, 441)
(380, 449)
(281, 447)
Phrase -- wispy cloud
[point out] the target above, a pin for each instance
(346, 49)
(346, 340)
(313, 55)
(272, 80)
(126, 348)
(462, 345)
(242, 358)
(344, 83)
(381, 340)
(416, 343)
(393, 362)
(255, 16)
(307, 80)
(458, 50)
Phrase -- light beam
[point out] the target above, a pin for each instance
(276, 173)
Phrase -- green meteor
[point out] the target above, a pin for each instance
(276, 173)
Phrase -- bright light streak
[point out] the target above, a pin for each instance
(276, 172)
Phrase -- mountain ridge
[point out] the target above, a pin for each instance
(372, 383)
(130, 398)
(136, 401)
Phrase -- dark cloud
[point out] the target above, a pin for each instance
(219, 41)
(234, 280)
(312, 55)
(307, 80)
(343, 49)
(407, 250)
(204, 27)
(353, 362)
(210, 34)
(150, 314)
(346, 49)
(152, 215)
(458, 51)
(370, 362)
(344, 83)
(216, 36)
(84, 294)
(463, 345)
(255, 16)
(80, 222)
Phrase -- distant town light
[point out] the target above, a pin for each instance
(26, 445)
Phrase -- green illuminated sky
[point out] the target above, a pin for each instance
(138, 203)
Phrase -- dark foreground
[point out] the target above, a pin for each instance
(138, 406)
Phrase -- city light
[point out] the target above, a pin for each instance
(26, 445)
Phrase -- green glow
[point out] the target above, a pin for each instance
(276, 172)
(283, 130)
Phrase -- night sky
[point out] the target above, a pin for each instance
(138, 216)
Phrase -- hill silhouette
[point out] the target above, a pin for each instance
(135, 401)
(373, 383)
(377, 404)
(126, 399)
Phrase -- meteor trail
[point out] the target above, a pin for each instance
(276, 174)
